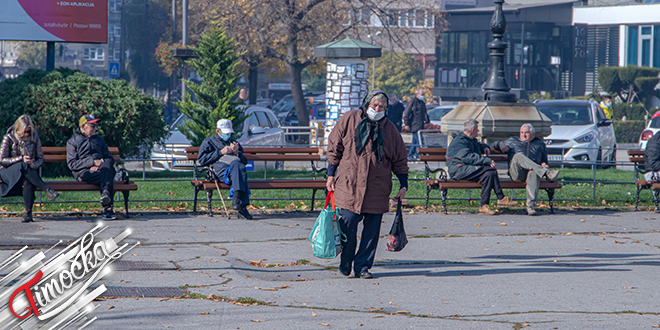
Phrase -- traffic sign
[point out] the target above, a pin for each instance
(114, 69)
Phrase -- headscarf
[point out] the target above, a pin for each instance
(369, 129)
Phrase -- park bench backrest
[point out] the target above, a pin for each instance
(636, 156)
(58, 154)
(269, 154)
(440, 155)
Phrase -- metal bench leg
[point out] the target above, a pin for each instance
(209, 195)
(195, 201)
(426, 204)
(126, 193)
(311, 207)
(443, 193)
(656, 192)
(639, 189)
(551, 197)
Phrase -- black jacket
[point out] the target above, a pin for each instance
(464, 156)
(415, 115)
(81, 151)
(652, 153)
(209, 151)
(534, 150)
(395, 114)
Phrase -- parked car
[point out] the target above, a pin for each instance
(436, 114)
(651, 128)
(581, 133)
(261, 128)
(316, 113)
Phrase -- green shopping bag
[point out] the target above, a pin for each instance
(326, 235)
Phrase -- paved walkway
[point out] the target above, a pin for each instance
(588, 270)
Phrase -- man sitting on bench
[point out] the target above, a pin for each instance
(528, 162)
(465, 162)
(89, 159)
(224, 157)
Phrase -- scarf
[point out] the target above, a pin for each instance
(368, 129)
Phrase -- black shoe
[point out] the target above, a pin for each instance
(109, 214)
(366, 274)
(106, 199)
(237, 202)
(27, 217)
(51, 194)
(345, 269)
(244, 214)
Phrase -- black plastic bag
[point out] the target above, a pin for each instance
(397, 239)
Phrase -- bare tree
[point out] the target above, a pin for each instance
(288, 30)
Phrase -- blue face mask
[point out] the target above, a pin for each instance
(225, 137)
(421, 97)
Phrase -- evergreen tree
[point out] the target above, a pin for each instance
(216, 95)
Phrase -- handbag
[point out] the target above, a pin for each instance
(326, 236)
(397, 239)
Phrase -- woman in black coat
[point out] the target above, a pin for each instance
(20, 157)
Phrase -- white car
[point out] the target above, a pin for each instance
(261, 128)
(651, 128)
(436, 114)
(581, 133)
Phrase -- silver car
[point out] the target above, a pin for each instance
(581, 133)
(261, 128)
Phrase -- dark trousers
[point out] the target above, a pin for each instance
(31, 181)
(487, 177)
(104, 178)
(237, 178)
(363, 260)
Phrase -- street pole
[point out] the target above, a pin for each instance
(373, 63)
(184, 43)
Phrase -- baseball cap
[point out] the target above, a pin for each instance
(225, 126)
(87, 119)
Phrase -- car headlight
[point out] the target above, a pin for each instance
(586, 138)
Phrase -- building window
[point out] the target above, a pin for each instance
(93, 54)
(117, 31)
(116, 55)
(632, 45)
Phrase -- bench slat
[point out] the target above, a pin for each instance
(275, 157)
(465, 184)
(82, 186)
(268, 184)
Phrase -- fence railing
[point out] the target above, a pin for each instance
(595, 165)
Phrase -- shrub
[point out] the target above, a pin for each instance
(628, 131)
(633, 111)
(56, 100)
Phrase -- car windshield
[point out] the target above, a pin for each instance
(438, 113)
(567, 115)
(655, 123)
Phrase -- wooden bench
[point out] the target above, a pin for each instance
(262, 154)
(636, 157)
(443, 183)
(58, 154)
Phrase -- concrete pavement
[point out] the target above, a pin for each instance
(571, 270)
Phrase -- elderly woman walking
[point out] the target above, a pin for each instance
(20, 157)
(364, 149)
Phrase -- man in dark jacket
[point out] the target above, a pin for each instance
(465, 162)
(414, 118)
(528, 161)
(652, 157)
(395, 112)
(89, 159)
(225, 157)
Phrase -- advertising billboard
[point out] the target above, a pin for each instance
(54, 20)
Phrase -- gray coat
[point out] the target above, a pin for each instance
(464, 156)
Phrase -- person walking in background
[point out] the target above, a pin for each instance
(528, 162)
(466, 162)
(606, 104)
(414, 118)
(364, 149)
(652, 158)
(225, 156)
(89, 159)
(21, 156)
(395, 112)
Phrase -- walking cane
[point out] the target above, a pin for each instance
(218, 187)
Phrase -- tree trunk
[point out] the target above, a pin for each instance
(253, 76)
(295, 71)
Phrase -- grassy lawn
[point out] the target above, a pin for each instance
(176, 195)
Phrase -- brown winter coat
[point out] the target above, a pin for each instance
(362, 184)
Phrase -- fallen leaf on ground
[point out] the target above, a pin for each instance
(111, 307)
(569, 234)
(477, 224)
(393, 304)
(314, 314)
(373, 309)
(204, 313)
(617, 242)
(376, 283)
(325, 324)
(259, 320)
(201, 231)
(502, 224)
(629, 287)
(403, 311)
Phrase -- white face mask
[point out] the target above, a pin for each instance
(375, 115)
